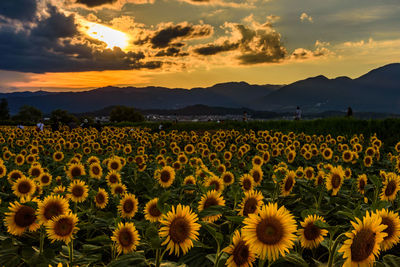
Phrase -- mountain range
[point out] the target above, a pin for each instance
(376, 91)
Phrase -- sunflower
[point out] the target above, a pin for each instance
(35, 170)
(288, 183)
(327, 153)
(309, 173)
(75, 170)
(128, 206)
(24, 188)
(78, 191)
(126, 236)
(101, 198)
(391, 185)
(95, 170)
(58, 156)
(45, 179)
(151, 211)
(19, 160)
(334, 180)
(368, 161)
(165, 176)
(118, 189)
(179, 228)
(189, 180)
(347, 173)
(214, 182)
(114, 164)
(291, 156)
(257, 175)
(113, 178)
(62, 228)
(257, 161)
(50, 207)
(247, 182)
(14, 175)
(3, 170)
(251, 203)
(20, 218)
(392, 221)
(211, 198)
(228, 178)
(271, 232)
(59, 189)
(361, 182)
(347, 156)
(363, 243)
(311, 235)
(241, 255)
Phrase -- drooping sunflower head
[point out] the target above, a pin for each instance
(78, 191)
(363, 243)
(151, 211)
(311, 235)
(240, 253)
(62, 228)
(211, 198)
(392, 221)
(50, 207)
(126, 237)
(251, 203)
(288, 183)
(75, 170)
(128, 206)
(101, 198)
(165, 176)
(334, 180)
(271, 232)
(24, 188)
(179, 228)
(391, 185)
(20, 218)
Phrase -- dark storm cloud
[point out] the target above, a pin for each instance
(24, 10)
(55, 45)
(212, 49)
(164, 37)
(94, 3)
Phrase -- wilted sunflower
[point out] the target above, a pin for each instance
(241, 255)
(75, 170)
(211, 198)
(392, 221)
(126, 236)
(310, 235)
(364, 241)
(179, 228)
(128, 206)
(228, 178)
(151, 211)
(78, 191)
(251, 203)
(24, 188)
(45, 179)
(257, 175)
(247, 182)
(50, 207)
(113, 178)
(270, 233)
(101, 198)
(20, 218)
(95, 170)
(165, 176)
(62, 228)
(288, 183)
(361, 183)
(215, 183)
(334, 180)
(391, 185)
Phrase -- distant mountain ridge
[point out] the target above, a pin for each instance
(375, 91)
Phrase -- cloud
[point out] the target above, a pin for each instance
(212, 49)
(302, 53)
(112, 4)
(24, 10)
(169, 32)
(305, 17)
(221, 3)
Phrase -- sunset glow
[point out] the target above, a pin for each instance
(113, 38)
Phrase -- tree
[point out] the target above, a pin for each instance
(62, 116)
(123, 113)
(28, 114)
(4, 110)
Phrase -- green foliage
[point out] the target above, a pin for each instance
(28, 114)
(123, 113)
(4, 110)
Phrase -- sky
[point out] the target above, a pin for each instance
(73, 45)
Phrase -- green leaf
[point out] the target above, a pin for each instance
(391, 261)
(161, 203)
(153, 237)
(321, 224)
(235, 219)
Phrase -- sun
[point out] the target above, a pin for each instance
(113, 38)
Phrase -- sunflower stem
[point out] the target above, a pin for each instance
(332, 250)
(42, 235)
(261, 262)
(71, 251)
(159, 257)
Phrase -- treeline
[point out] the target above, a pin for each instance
(29, 115)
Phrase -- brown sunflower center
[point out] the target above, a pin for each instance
(246, 184)
(35, 172)
(53, 209)
(25, 216)
(256, 176)
(250, 206)
(77, 191)
(128, 206)
(64, 227)
(289, 183)
(114, 165)
(118, 190)
(45, 179)
(210, 201)
(362, 184)
(15, 176)
(257, 161)
(227, 178)
(154, 211)
(179, 230)
(390, 188)
(390, 227)
(241, 253)
(113, 179)
(100, 198)
(125, 237)
(95, 170)
(24, 187)
(311, 231)
(269, 231)
(335, 180)
(363, 245)
(215, 184)
(165, 176)
(58, 156)
(76, 171)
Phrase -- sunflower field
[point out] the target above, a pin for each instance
(136, 197)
